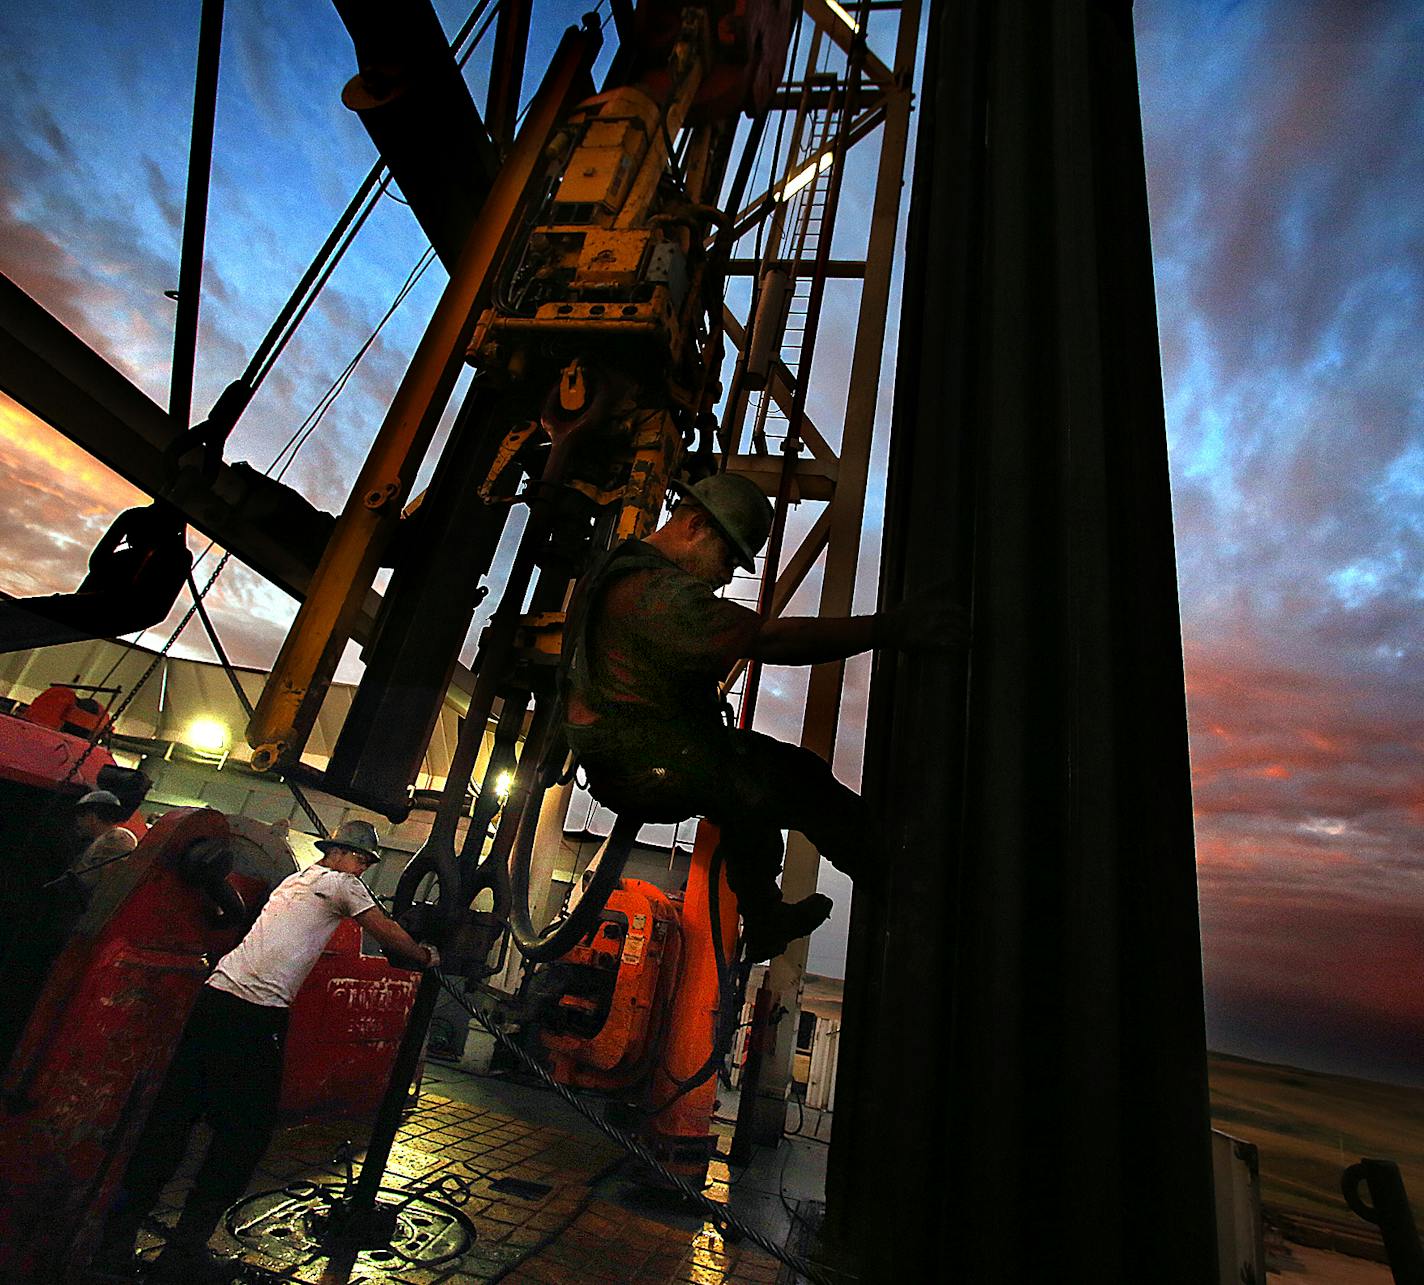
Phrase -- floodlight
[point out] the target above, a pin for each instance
(208, 735)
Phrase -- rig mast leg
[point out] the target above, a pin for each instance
(1022, 1091)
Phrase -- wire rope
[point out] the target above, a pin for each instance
(303, 433)
(725, 1220)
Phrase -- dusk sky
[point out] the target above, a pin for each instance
(1285, 152)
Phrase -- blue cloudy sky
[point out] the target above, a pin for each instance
(1285, 150)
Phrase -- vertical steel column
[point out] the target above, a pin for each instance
(847, 512)
(511, 44)
(1022, 1089)
(195, 215)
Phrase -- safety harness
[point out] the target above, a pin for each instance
(577, 668)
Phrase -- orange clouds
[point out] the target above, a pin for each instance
(1309, 796)
(36, 456)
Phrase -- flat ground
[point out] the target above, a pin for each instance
(1310, 1127)
(528, 1193)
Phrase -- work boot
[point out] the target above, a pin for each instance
(186, 1257)
(772, 930)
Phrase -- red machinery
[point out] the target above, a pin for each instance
(93, 1053)
(345, 1026)
(613, 991)
(46, 751)
(98, 979)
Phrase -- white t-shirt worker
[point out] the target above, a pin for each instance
(270, 964)
(228, 1067)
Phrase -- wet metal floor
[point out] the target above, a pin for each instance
(501, 1182)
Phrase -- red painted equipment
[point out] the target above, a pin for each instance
(345, 1027)
(40, 746)
(98, 1041)
(680, 1131)
(90, 1055)
(633, 1010)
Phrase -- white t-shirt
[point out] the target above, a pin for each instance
(270, 964)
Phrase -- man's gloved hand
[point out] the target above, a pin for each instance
(434, 961)
(929, 621)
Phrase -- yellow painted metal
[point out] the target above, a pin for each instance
(541, 635)
(657, 446)
(618, 128)
(612, 258)
(289, 703)
(513, 443)
(689, 62)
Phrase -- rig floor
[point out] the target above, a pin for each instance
(502, 1182)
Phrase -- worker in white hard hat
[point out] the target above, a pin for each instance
(98, 835)
(646, 646)
(228, 1066)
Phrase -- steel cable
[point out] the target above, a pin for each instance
(720, 1215)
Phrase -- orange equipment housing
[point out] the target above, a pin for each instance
(63, 709)
(683, 1090)
(613, 991)
(637, 1004)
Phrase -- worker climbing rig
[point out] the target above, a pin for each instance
(588, 296)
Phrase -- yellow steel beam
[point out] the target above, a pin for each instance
(289, 703)
(837, 27)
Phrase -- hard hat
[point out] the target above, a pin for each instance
(738, 510)
(102, 799)
(360, 836)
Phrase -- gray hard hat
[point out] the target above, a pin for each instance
(737, 508)
(102, 799)
(359, 836)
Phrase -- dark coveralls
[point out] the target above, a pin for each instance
(228, 1071)
(646, 646)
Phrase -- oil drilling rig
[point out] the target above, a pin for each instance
(590, 239)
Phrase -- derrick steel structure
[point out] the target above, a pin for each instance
(1024, 962)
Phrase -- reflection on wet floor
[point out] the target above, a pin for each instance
(502, 1182)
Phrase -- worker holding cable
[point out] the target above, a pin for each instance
(228, 1066)
(647, 644)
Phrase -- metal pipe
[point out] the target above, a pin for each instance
(1388, 1209)
(1026, 937)
(195, 215)
(357, 1224)
(511, 43)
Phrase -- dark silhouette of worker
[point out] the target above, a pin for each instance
(228, 1066)
(97, 835)
(648, 642)
(135, 574)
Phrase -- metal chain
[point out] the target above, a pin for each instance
(723, 1217)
